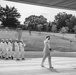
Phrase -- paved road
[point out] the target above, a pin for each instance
(31, 66)
(64, 63)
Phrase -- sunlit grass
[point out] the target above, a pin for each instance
(34, 42)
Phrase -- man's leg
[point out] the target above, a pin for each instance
(44, 57)
(49, 61)
(23, 55)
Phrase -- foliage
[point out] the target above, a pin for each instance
(46, 26)
(32, 21)
(74, 28)
(63, 19)
(54, 27)
(9, 16)
(71, 23)
(64, 30)
(39, 27)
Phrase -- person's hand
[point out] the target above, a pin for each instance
(50, 49)
(24, 44)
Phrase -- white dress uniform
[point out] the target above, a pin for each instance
(10, 47)
(16, 55)
(46, 46)
(2, 48)
(6, 49)
(21, 47)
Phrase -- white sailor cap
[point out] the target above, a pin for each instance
(2, 39)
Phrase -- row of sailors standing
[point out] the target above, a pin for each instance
(10, 49)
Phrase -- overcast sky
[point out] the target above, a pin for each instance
(26, 10)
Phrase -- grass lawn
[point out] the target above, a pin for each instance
(34, 42)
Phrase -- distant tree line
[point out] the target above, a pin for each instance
(63, 22)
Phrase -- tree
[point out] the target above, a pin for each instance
(65, 20)
(39, 27)
(74, 28)
(29, 28)
(35, 20)
(46, 27)
(71, 23)
(31, 21)
(9, 16)
(42, 19)
(54, 28)
(60, 18)
(26, 24)
(64, 30)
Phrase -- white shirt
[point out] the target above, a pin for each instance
(2, 46)
(21, 46)
(6, 46)
(10, 46)
(46, 46)
(16, 46)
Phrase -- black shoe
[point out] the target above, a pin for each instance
(12, 58)
(6, 58)
(18, 59)
(9, 57)
(0, 57)
(23, 58)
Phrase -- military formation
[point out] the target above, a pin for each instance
(12, 49)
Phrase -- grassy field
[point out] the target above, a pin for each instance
(34, 42)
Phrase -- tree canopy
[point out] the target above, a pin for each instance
(34, 21)
(9, 16)
(63, 19)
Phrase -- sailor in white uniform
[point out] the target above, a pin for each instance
(6, 49)
(21, 48)
(46, 52)
(10, 47)
(13, 49)
(16, 50)
(2, 48)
